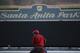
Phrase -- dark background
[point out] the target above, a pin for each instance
(57, 33)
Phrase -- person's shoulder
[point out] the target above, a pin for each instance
(41, 35)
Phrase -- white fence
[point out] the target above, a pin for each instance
(47, 51)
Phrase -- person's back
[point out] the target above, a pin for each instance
(38, 40)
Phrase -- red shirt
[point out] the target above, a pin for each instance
(38, 40)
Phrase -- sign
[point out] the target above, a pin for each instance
(40, 13)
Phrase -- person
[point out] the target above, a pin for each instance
(38, 42)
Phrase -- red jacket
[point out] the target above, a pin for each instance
(38, 40)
